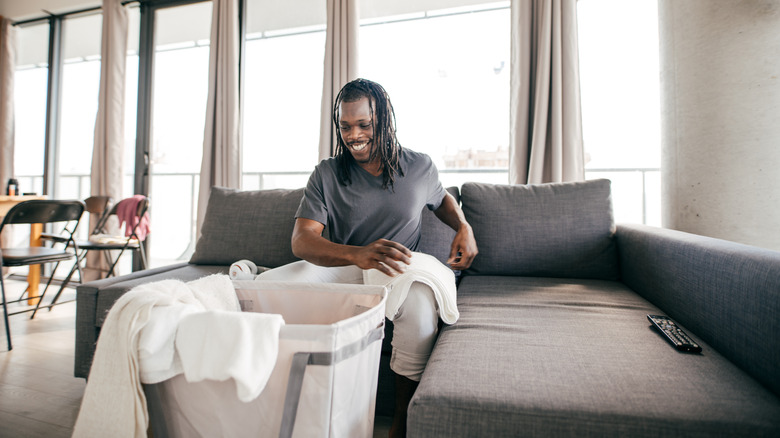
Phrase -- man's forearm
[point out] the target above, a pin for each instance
(449, 213)
(320, 251)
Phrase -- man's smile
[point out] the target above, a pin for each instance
(359, 146)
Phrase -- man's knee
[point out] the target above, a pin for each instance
(414, 332)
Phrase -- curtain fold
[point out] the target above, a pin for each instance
(107, 177)
(545, 114)
(7, 69)
(221, 164)
(340, 64)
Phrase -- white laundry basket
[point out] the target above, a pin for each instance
(325, 377)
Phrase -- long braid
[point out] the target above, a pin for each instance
(386, 145)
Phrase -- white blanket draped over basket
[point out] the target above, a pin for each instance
(158, 330)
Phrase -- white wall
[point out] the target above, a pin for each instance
(720, 87)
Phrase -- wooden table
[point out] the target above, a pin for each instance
(34, 271)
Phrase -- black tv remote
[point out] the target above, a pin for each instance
(674, 334)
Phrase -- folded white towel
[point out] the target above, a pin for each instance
(107, 239)
(156, 353)
(220, 345)
(425, 269)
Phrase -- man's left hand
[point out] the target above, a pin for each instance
(464, 249)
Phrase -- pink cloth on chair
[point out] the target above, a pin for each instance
(126, 213)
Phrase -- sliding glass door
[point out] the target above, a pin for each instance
(171, 139)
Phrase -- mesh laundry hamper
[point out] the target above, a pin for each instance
(323, 383)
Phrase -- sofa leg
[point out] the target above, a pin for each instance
(404, 390)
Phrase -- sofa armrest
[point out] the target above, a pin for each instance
(726, 293)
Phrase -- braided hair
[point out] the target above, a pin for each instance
(385, 144)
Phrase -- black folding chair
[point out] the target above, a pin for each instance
(100, 206)
(131, 241)
(97, 205)
(40, 212)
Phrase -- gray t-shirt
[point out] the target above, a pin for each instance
(362, 212)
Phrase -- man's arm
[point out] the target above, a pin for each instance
(464, 246)
(385, 255)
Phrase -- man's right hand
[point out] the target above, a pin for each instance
(385, 255)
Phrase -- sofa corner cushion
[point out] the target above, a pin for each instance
(254, 225)
(547, 230)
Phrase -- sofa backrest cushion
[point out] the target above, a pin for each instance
(254, 225)
(436, 237)
(543, 230)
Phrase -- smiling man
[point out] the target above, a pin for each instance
(371, 195)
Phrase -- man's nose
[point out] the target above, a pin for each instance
(353, 133)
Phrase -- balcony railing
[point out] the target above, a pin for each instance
(635, 192)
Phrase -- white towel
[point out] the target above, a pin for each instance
(220, 345)
(114, 403)
(156, 353)
(425, 269)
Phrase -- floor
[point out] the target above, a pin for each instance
(39, 397)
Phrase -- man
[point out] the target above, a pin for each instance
(371, 195)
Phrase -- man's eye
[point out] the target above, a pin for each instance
(365, 126)
(343, 128)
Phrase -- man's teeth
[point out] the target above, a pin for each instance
(359, 146)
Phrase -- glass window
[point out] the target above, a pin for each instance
(81, 36)
(30, 87)
(283, 93)
(180, 92)
(619, 80)
(447, 74)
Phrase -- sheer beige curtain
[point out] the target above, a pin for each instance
(546, 121)
(221, 164)
(7, 69)
(109, 143)
(341, 63)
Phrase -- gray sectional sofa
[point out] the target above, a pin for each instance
(552, 338)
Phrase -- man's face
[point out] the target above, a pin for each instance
(357, 128)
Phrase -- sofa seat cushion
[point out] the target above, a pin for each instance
(186, 272)
(557, 357)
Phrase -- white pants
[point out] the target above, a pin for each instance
(415, 324)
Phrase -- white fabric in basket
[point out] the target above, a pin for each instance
(220, 345)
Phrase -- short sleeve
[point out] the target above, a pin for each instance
(437, 192)
(313, 204)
